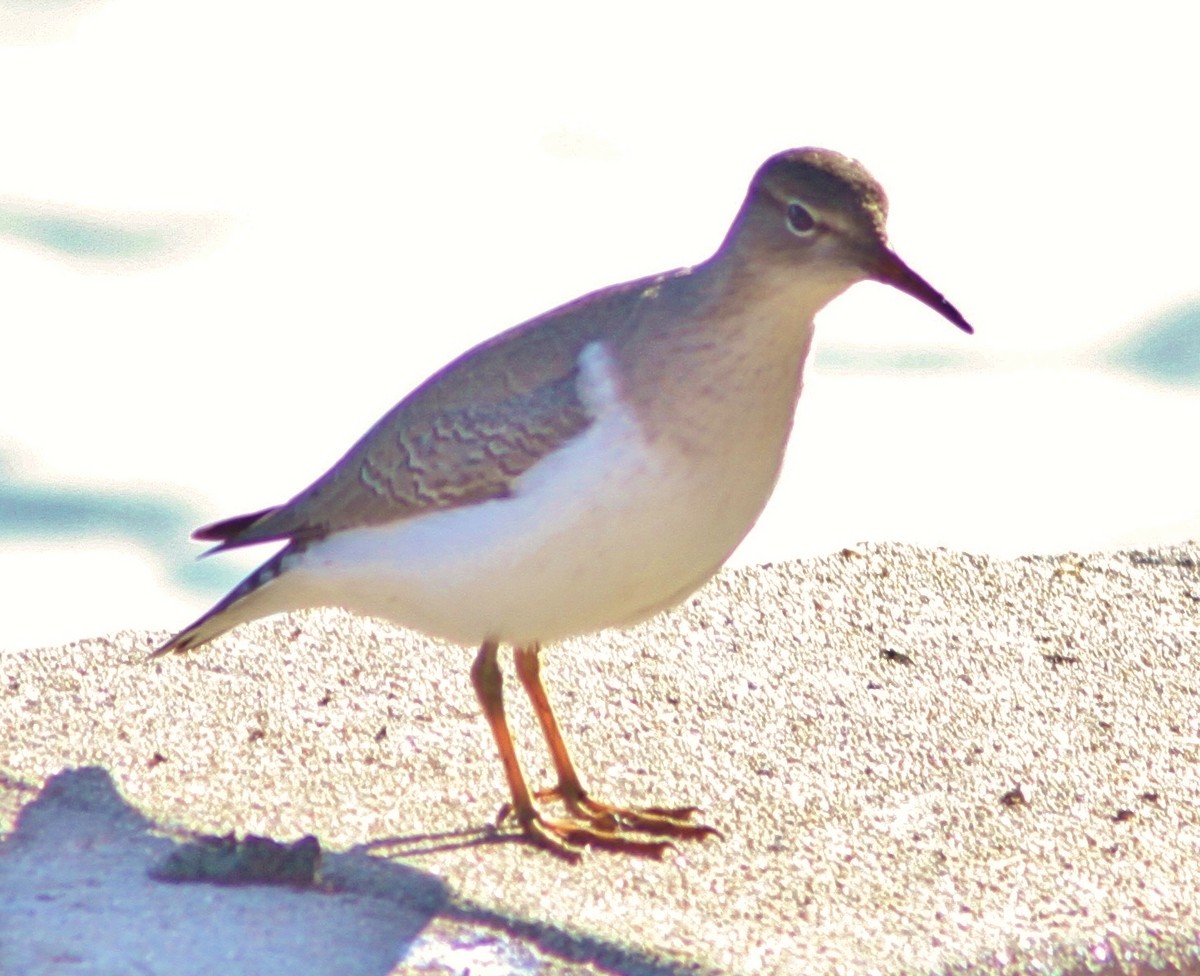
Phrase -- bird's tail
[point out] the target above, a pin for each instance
(238, 607)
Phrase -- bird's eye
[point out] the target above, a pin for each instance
(801, 222)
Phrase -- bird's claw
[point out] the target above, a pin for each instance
(603, 825)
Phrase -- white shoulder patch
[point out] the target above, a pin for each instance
(600, 386)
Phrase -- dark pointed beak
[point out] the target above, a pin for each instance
(892, 271)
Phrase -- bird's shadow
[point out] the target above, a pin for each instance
(82, 872)
(420, 845)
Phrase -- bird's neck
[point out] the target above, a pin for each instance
(721, 359)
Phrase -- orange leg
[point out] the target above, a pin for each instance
(663, 821)
(563, 838)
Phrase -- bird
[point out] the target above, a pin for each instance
(584, 470)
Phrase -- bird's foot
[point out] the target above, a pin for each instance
(594, 823)
(659, 821)
(567, 838)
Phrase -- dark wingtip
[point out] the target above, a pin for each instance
(226, 529)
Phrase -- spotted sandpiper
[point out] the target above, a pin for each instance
(584, 470)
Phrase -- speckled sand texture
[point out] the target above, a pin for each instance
(921, 761)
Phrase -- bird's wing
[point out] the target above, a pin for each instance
(462, 437)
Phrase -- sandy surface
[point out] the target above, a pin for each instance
(921, 762)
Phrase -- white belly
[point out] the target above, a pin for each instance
(605, 532)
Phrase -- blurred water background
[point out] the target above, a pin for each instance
(233, 234)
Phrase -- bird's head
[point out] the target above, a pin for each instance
(822, 213)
